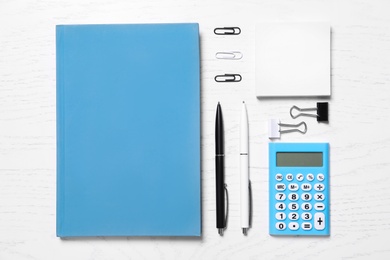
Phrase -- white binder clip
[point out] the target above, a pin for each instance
(274, 128)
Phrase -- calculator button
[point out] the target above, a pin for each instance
(280, 206)
(293, 206)
(289, 177)
(319, 187)
(293, 225)
(306, 187)
(319, 196)
(293, 187)
(280, 196)
(320, 177)
(280, 216)
(310, 177)
(299, 177)
(280, 226)
(293, 196)
(306, 206)
(319, 221)
(306, 196)
(279, 177)
(280, 186)
(293, 216)
(306, 226)
(319, 206)
(306, 216)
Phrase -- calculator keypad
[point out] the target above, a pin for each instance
(300, 202)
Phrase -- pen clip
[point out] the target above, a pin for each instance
(250, 204)
(227, 205)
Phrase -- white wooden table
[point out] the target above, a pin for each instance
(358, 130)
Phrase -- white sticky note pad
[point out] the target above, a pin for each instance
(293, 59)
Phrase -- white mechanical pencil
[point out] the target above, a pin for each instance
(244, 170)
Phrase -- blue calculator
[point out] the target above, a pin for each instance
(299, 189)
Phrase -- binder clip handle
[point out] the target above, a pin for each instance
(300, 110)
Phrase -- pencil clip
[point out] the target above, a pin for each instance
(321, 115)
(227, 31)
(228, 55)
(228, 78)
(274, 128)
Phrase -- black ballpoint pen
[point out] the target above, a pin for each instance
(219, 171)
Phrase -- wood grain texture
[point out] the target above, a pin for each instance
(357, 131)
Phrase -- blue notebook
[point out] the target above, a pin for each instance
(128, 130)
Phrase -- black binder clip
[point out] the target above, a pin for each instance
(227, 31)
(228, 78)
(322, 112)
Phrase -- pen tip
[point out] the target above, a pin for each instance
(245, 231)
(220, 231)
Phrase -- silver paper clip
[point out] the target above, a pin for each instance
(227, 31)
(229, 55)
(321, 115)
(274, 128)
(228, 78)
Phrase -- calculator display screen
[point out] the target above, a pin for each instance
(299, 159)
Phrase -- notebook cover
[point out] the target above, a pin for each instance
(128, 130)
